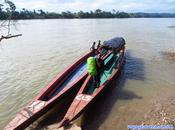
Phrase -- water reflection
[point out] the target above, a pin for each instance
(134, 67)
(100, 110)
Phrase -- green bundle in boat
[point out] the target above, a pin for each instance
(91, 66)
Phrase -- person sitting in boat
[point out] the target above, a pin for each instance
(99, 44)
(93, 47)
(99, 63)
(100, 67)
(95, 67)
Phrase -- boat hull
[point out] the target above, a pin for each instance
(83, 100)
(40, 105)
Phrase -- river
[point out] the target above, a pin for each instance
(30, 62)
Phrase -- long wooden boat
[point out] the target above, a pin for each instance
(62, 86)
(88, 93)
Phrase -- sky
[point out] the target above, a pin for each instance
(157, 6)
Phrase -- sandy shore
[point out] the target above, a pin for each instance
(162, 112)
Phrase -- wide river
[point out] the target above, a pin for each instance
(30, 62)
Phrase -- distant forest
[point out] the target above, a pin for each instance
(98, 13)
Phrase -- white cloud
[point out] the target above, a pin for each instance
(87, 5)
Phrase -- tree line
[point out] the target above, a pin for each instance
(40, 14)
(98, 13)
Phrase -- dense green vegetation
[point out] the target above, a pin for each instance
(40, 14)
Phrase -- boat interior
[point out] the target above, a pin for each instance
(79, 70)
(110, 63)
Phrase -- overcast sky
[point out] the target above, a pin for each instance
(107, 5)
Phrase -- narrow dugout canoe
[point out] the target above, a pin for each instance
(88, 93)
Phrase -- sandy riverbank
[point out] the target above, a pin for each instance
(162, 112)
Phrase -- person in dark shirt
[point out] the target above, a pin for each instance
(99, 44)
(99, 67)
(93, 47)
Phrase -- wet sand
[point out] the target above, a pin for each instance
(162, 112)
(55, 127)
(162, 108)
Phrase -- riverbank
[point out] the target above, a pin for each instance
(162, 111)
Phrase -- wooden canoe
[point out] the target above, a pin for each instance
(87, 93)
(69, 80)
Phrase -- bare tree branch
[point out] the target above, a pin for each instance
(6, 25)
(9, 36)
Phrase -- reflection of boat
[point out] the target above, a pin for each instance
(88, 93)
(63, 86)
